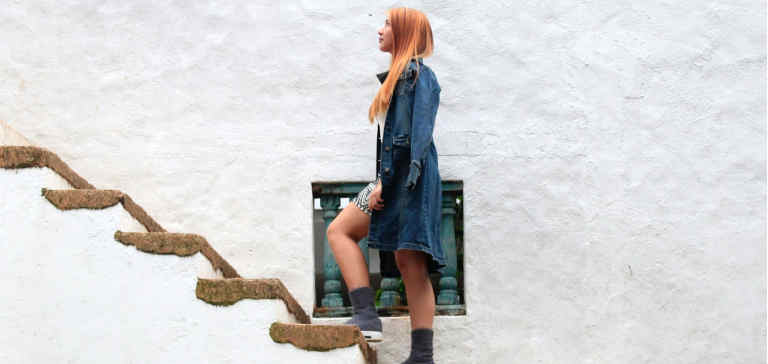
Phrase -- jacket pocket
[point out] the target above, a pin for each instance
(401, 148)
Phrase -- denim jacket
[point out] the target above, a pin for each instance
(408, 169)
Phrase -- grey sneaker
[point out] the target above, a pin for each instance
(371, 328)
(365, 317)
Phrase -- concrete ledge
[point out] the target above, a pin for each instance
(322, 337)
(227, 292)
(82, 199)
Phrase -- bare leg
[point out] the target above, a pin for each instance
(343, 234)
(421, 299)
(349, 227)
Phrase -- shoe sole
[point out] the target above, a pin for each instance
(373, 336)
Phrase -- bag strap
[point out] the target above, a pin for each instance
(378, 150)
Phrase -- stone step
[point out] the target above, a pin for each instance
(156, 241)
(100, 199)
(322, 337)
(163, 243)
(13, 157)
(84, 195)
(178, 244)
(225, 291)
(83, 199)
(228, 291)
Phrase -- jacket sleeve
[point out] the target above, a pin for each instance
(425, 101)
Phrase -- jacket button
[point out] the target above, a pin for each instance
(386, 148)
(386, 170)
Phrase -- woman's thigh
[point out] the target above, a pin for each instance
(351, 222)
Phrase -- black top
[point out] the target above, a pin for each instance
(378, 150)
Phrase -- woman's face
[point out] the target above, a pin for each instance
(385, 37)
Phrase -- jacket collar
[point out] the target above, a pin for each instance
(408, 70)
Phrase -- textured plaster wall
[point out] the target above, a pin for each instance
(612, 152)
(72, 294)
(9, 136)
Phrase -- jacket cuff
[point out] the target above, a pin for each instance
(413, 175)
(416, 163)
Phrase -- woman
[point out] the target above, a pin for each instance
(404, 201)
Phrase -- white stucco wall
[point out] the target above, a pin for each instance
(72, 294)
(612, 152)
(9, 136)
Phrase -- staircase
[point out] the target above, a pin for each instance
(140, 294)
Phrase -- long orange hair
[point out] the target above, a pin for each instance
(411, 38)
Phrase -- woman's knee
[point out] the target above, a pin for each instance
(351, 223)
(410, 262)
(339, 231)
(334, 231)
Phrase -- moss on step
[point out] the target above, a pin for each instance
(12, 157)
(140, 215)
(163, 243)
(218, 262)
(228, 291)
(23, 157)
(82, 199)
(321, 337)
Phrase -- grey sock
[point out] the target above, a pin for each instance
(365, 317)
(421, 347)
